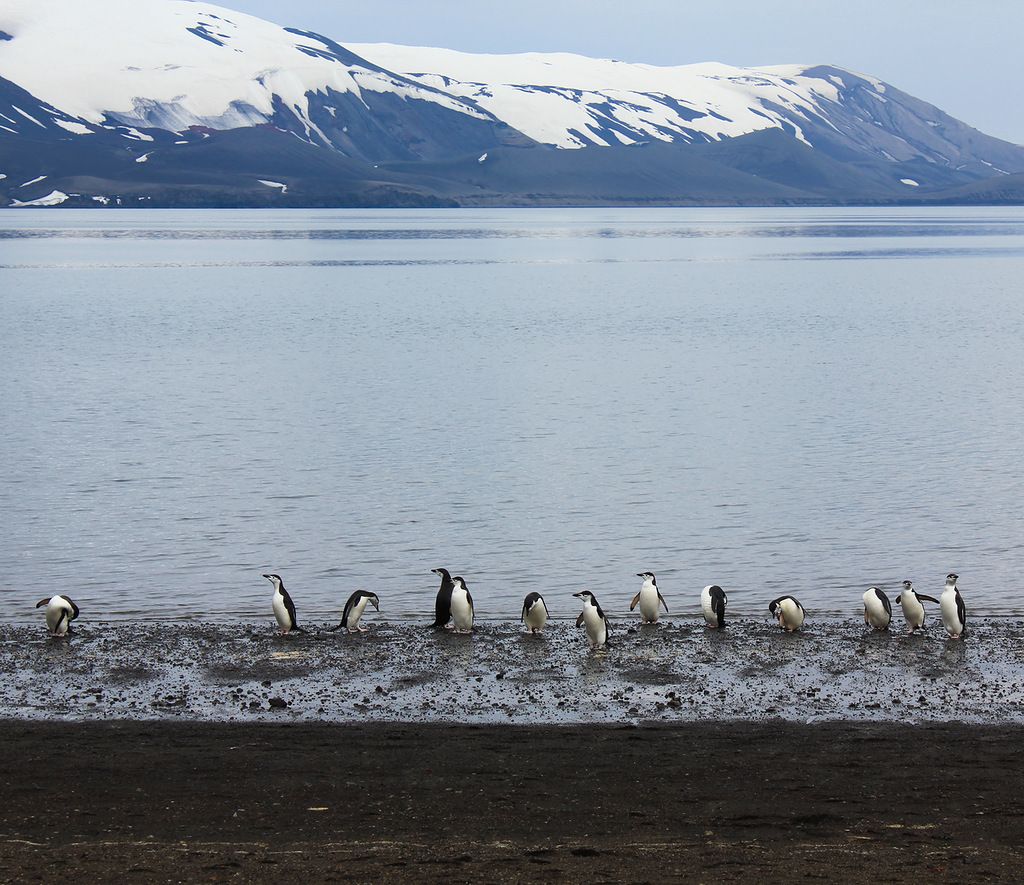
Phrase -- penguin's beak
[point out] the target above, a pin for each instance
(639, 574)
(578, 595)
(374, 601)
(436, 571)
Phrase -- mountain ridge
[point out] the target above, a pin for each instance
(189, 103)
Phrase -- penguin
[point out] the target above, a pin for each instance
(789, 612)
(60, 612)
(354, 610)
(713, 601)
(443, 603)
(954, 612)
(913, 611)
(649, 597)
(462, 606)
(284, 608)
(593, 618)
(877, 610)
(535, 612)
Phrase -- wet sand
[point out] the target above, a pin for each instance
(674, 672)
(707, 802)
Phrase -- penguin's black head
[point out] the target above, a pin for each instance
(645, 575)
(951, 578)
(276, 579)
(373, 600)
(443, 572)
(584, 594)
(459, 581)
(908, 584)
(773, 605)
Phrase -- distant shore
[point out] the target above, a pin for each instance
(722, 802)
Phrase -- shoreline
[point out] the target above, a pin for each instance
(734, 802)
(671, 674)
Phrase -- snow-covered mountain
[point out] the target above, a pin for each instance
(186, 102)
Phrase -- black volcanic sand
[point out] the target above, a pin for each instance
(674, 672)
(696, 802)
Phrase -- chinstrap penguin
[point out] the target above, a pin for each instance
(954, 612)
(713, 601)
(649, 599)
(535, 612)
(443, 603)
(462, 606)
(284, 608)
(354, 611)
(593, 618)
(877, 610)
(60, 612)
(913, 610)
(789, 613)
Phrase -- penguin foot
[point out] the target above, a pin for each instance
(363, 629)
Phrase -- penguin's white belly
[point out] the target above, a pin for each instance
(875, 611)
(792, 614)
(462, 611)
(536, 616)
(356, 612)
(913, 610)
(54, 609)
(710, 618)
(649, 604)
(597, 630)
(281, 612)
(950, 616)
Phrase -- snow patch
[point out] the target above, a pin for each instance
(27, 116)
(53, 198)
(909, 181)
(996, 168)
(33, 181)
(135, 135)
(482, 157)
(278, 184)
(73, 127)
(144, 158)
(3, 175)
(103, 200)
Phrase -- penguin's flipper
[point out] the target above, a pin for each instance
(43, 602)
(636, 599)
(898, 598)
(579, 620)
(349, 605)
(924, 598)
(74, 609)
(290, 608)
(885, 602)
(961, 611)
(661, 599)
(60, 620)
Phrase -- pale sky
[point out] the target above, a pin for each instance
(965, 57)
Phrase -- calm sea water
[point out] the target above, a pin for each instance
(804, 401)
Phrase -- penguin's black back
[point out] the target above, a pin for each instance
(443, 603)
(718, 603)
